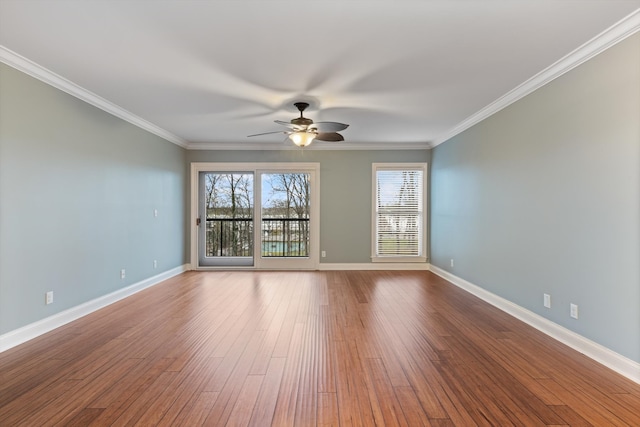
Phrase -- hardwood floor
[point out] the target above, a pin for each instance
(305, 349)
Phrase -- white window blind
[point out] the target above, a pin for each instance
(399, 211)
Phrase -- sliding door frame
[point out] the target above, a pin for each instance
(257, 169)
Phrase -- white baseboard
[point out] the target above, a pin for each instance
(328, 267)
(595, 351)
(28, 332)
(374, 266)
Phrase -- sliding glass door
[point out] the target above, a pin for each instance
(281, 232)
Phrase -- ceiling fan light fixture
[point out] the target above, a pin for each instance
(302, 138)
(303, 131)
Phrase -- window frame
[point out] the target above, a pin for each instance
(422, 257)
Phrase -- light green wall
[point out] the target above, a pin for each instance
(544, 196)
(345, 192)
(78, 187)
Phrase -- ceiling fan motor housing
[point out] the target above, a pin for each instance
(301, 121)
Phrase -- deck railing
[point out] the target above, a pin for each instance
(281, 237)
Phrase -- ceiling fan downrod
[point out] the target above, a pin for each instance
(301, 121)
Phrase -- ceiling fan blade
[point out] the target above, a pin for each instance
(329, 136)
(265, 133)
(328, 126)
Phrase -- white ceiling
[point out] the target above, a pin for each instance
(205, 74)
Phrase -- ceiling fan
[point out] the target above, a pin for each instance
(303, 131)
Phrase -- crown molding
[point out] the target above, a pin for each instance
(29, 67)
(35, 70)
(317, 146)
(603, 41)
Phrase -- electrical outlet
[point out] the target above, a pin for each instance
(451, 262)
(155, 213)
(123, 273)
(49, 297)
(574, 311)
(547, 300)
(324, 254)
(155, 263)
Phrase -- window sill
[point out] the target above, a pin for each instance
(413, 259)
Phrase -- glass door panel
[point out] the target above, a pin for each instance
(285, 219)
(285, 205)
(226, 219)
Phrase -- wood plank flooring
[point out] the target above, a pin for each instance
(343, 348)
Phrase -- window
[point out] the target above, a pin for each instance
(398, 212)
